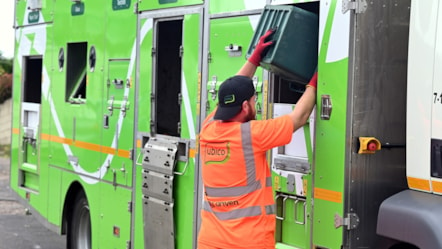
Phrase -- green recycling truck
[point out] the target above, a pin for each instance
(109, 96)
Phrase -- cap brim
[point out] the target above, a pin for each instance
(226, 113)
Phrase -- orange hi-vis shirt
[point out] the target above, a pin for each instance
(238, 208)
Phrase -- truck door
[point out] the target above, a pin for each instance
(30, 122)
(169, 69)
(230, 37)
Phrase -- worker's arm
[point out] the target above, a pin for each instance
(249, 68)
(305, 105)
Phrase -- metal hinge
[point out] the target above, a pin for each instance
(136, 8)
(359, 6)
(209, 57)
(212, 89)
(181, 51)
(350, 222)
(326, 107)
(128, 244)
(129, 206)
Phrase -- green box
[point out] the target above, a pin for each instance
(294, 55)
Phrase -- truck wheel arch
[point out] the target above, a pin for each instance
(413, 217)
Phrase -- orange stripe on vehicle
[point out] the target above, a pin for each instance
(45, 137)
(124, 153)
(88, 146)
(57, 139)
(108, 150)
(437, 186)
(85, 145)
(418, 183)
(138, 143)
(15, 131)
(328, 195)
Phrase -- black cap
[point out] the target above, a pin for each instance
(231, 94)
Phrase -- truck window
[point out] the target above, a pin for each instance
(32, 79)
(76, 72)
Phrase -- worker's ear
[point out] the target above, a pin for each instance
(245, 105)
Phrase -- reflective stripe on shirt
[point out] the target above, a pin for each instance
(239, 213)
(249, 158)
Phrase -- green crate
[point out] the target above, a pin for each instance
(294, 55)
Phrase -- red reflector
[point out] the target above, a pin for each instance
(116, 231)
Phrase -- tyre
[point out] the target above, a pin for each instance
(79, 232)
(404, 246)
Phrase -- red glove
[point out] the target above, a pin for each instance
(314, 81)
(257, 54)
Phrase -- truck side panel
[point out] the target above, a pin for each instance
(377, 98)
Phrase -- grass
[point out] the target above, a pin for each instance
(5, 150)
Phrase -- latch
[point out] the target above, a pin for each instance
(124, 106)
(73, 160)
(255, 82)
(326, 107)
(110, 105)
(359, 6)
(213, 87)
(234, 50)
(118, 83)
(350, 222)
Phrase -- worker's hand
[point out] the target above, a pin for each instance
(313, 81)
(262, 47)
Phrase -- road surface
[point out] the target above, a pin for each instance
(17, 229)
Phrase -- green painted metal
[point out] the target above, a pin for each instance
(163, 4)
(25, 15)
(225, 32)
(332, 80)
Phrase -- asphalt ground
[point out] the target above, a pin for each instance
(18, 229)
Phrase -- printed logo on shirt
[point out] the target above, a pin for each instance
(223, 203)
(216, 153)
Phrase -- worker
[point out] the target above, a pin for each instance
(238, 208)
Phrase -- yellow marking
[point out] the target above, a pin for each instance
(15, 131)
(437, 186)
(56, 139)
(304, 185)
(124, 153)
(88, 146)
(328, 195)
(108, 150)
(417, 183)
(276, 182)
(192, 153)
